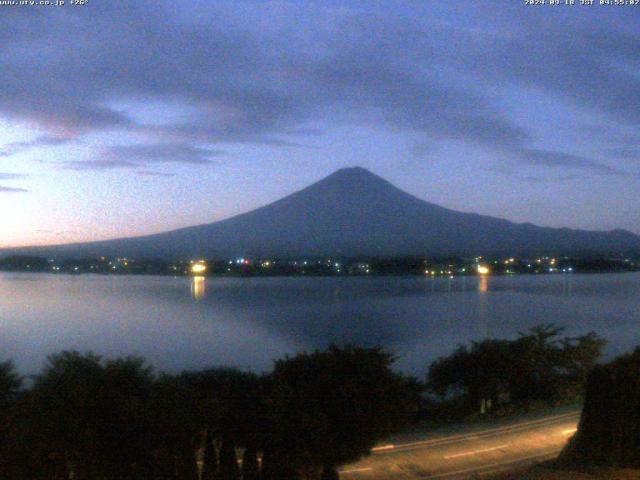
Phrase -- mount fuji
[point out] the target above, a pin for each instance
(352, 212)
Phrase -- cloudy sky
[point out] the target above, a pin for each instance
(132, 117)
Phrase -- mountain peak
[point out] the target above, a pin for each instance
(354, 212)
(354, 177)
(356, 183)
(353, 172)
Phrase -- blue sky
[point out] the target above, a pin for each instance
(128, 118)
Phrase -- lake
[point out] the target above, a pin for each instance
(187, 323)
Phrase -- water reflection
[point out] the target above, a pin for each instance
(567, 285)
(483, 287)
(198, 287)
(483, 284)
(248, 323)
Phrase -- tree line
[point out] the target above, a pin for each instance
(538, 367)
(88, 418)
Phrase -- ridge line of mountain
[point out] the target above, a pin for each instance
(352, 212)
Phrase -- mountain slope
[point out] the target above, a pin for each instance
(354, 212)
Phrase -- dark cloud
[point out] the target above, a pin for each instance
(40, 141)
(131, 156)
(160, 153)
(261, 73)
(153, 173)
(84, 165)
(4, 189)
(547, 158)
(533, 179)
(252, 84)
(538, 180)
(627, 153)
(12, 176)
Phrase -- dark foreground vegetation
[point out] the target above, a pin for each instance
(609, 430)
(536, 369)
(88, 418)
(606, 445)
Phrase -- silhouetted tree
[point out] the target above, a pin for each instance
(579, 357)
(537, 366)
(209, 459)
(228, 460)
(483, 371)
(177, 428)
(250, 467)
(233, 410)
(92, 419)
(86, 419)
(330, 408)
(10, 382)
(276, 464)
(608, 432)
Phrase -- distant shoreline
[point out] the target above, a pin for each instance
(335, 266)
(312, 275)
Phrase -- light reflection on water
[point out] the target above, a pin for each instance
(198, 284)
(483, 284)
(177, 323)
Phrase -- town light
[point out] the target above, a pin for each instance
(483, 270)
(198, 268)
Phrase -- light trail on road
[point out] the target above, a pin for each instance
(462, 455)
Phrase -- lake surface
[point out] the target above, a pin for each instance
(186, 323)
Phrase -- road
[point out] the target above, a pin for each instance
(474, 451)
